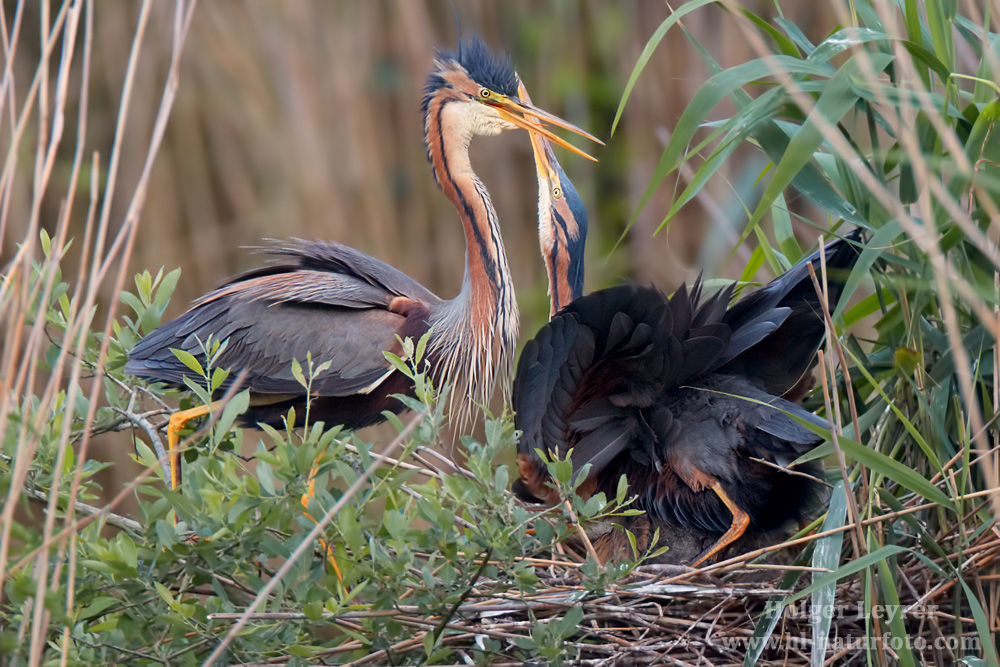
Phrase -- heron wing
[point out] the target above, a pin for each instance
(592, 377)
(337, 312)
(781, 324)
(337, 258)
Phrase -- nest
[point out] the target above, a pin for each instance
(671, 614)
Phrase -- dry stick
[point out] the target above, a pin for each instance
(994, 602)
(7, 93)
(134, 420)
(307, 542)
(583, 534)
(26, 251)
(7, 84)
(13, 382)
(116, 520)
(396, 462)
(857, 535)
(938, 476)
(70, 30)
(60, 243)
(40, 292)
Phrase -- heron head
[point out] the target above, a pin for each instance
(485, 86)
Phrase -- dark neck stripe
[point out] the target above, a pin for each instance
(573, 279)
(554, 272)
(469, 217)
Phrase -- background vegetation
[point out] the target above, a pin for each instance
(745, 131)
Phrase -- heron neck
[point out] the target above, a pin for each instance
(478, 329)
(487, 282)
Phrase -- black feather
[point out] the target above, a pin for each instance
(683, 392)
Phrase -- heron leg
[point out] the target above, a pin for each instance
(178, 421)
(740, 522)
(306, 498)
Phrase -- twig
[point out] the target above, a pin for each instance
(151, 431)
(116, 520)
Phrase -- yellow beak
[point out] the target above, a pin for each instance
(523, 114)
(540, 148)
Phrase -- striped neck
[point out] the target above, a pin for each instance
(477, 330)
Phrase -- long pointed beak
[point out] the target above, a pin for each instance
(540, 148)
(522, 113)
(543, 156)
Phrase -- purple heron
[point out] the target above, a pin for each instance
(636, 383)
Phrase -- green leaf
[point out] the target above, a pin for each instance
(570, 623)
(870, 253)
(188, 360)
(848, 569)
(826, 555)
(166, 289)
(236, 406)
(899, 472)
(785, 45)
(632, 543)
(165, 594)
(894, 608)
(399, 364)
(313, 610)
(647, 52)
(983, 626)
(219, 376)
(133, 302)
(939, 23)
(835, 101)
(762, 632)
(783, 232)
(297, 374)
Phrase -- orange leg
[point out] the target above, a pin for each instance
(740, 522)
(178, 421)
(306, 497)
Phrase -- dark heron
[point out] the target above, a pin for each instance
(683, 395)
(343, 306)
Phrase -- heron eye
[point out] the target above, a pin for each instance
(485, 93)
(557, 192)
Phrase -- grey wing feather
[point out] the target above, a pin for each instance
(333, 257)
(332, 304)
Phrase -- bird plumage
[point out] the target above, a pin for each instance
(267, 318)
(636, 383)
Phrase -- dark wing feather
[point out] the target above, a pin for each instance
(332, 304)
(631, 342)
(337, 258)
(543, 361)
(779, 359)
